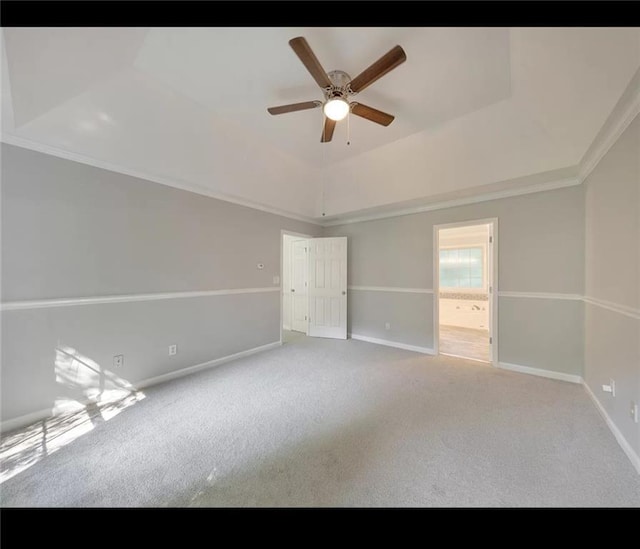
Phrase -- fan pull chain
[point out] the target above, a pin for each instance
(324, 163)
(349, 127)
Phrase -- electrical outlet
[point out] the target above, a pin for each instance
(118, 361)
(387, 326)
(611, 388)
(633, 410)
(173, 349)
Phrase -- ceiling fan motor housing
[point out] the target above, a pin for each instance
(339, 88)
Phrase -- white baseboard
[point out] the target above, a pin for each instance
(626, 447)
(26, 419)
(407, 347)
(203, 366)
(32, 417)
(286, 327)
(572, 378)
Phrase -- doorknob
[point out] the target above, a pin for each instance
(344, 293)
(293, 289)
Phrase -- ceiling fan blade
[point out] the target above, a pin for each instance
(372, 114)
(294, 107)
(327, 130)
(389, 61)
(310, 61)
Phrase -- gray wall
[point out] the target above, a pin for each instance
(612, 274)
(541, 249)
(72, 230)
(75, 230)
(410, 316)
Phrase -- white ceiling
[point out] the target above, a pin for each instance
(187, 106)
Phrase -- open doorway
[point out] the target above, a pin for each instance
(464, 284)
(295, 282)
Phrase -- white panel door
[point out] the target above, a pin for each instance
(286, 282)
(299, 281)
(328, 287)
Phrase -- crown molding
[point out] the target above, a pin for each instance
(505, 193)
(168, 181)
(622, 115)
(624, 112)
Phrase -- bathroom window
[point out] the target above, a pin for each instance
(462, 268)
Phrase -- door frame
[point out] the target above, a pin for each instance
(289, 233)
(492, 278)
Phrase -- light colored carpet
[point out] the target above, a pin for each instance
(323, 422)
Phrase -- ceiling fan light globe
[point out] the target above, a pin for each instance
(336, 109)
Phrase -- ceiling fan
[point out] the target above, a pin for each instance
(338, 87)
